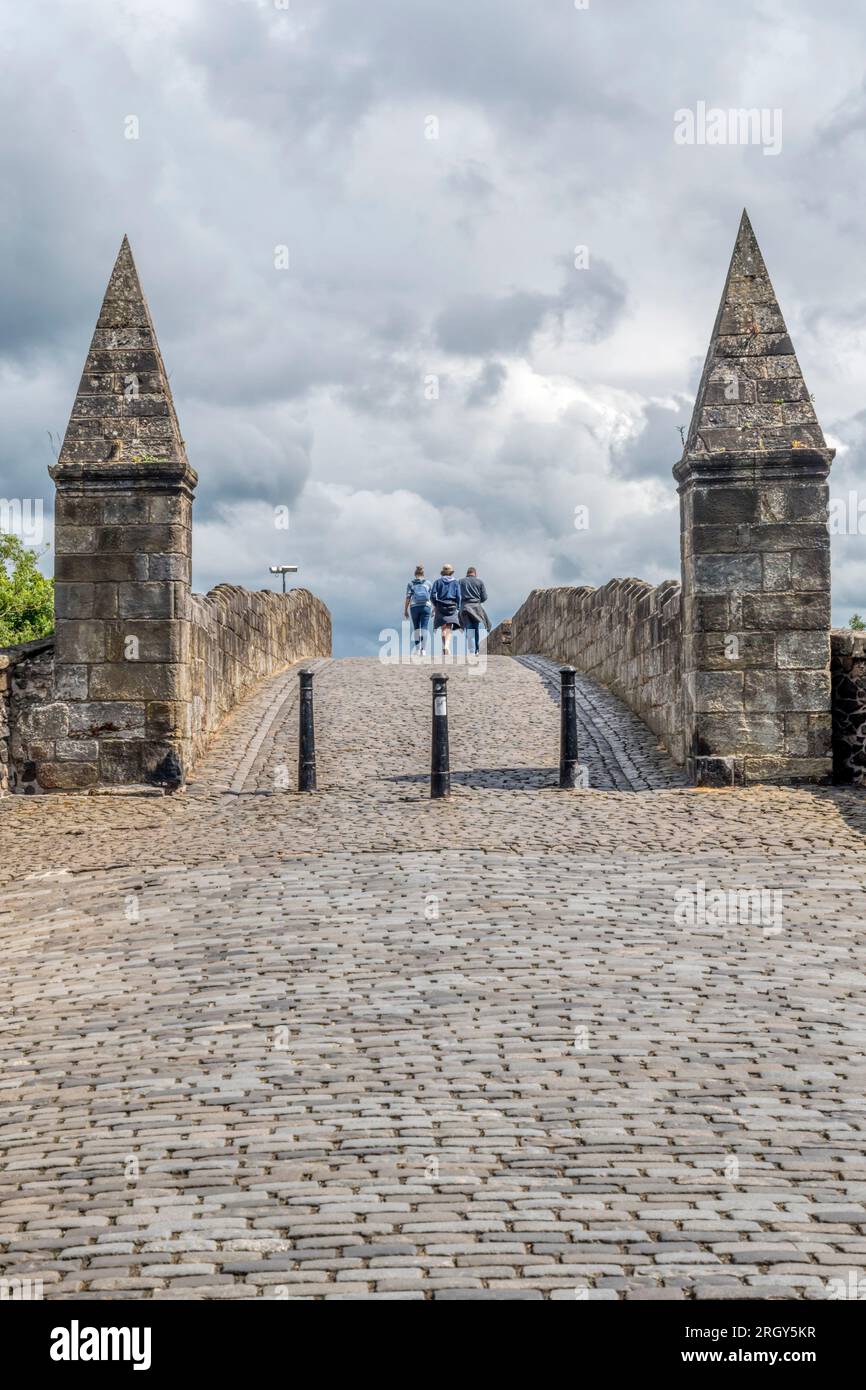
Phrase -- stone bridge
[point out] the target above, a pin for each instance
(734, 668)
(517, 1044)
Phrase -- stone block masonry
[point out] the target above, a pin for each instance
(237, 639)
(626, 634)
(26, 687)
(848, 668)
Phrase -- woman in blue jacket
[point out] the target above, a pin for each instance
(445, 595)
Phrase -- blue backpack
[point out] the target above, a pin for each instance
(419, 592)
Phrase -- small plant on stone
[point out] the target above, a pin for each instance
(856, 623)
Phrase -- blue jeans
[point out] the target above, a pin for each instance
(472, 629)
(420, 615)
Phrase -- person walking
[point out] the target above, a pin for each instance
(473, 595)
(417, 607)
(445, 596)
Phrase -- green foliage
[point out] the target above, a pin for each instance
(26, 596)
(856, 623)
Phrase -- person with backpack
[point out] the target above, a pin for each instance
(445, 595)
(417, 607)
(473, 596)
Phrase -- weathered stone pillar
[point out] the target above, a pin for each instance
(122, 570)
(755, 549)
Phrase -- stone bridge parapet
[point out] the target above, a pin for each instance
(238, 638)
(626, 634)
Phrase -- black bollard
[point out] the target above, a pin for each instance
(568, 729)
(306, 735)
(440, 768)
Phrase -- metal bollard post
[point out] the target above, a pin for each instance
(440, 768)
(568, 728)
(306, 735)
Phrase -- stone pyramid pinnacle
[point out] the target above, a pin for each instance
(123, 411)
(752, 396)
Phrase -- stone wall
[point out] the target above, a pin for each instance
(238, 638)
(848, 671)
(26, 687)
(627, 635)
(756, 610)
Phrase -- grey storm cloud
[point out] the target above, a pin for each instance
(653, 449)
(849, 118)
(418, 252)
(471, 183)
(488, 384)
(477, 324)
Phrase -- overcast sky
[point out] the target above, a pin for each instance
(410, 257)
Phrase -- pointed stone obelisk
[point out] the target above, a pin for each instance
(123, 552)
(755, 549)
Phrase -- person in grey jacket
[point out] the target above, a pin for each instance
(473, 595)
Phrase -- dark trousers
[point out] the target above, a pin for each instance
(420, 616)
(472, 630)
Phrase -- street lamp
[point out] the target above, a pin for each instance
(283, 570)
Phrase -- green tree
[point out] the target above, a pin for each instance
(856, 623)
(26, 596)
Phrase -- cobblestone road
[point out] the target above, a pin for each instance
(257, 1045)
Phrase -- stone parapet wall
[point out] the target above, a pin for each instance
(26, 683)
(848, 672)
(627, 634)
(238, 638)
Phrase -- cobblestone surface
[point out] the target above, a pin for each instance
(362, 1045)
(618, 750)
